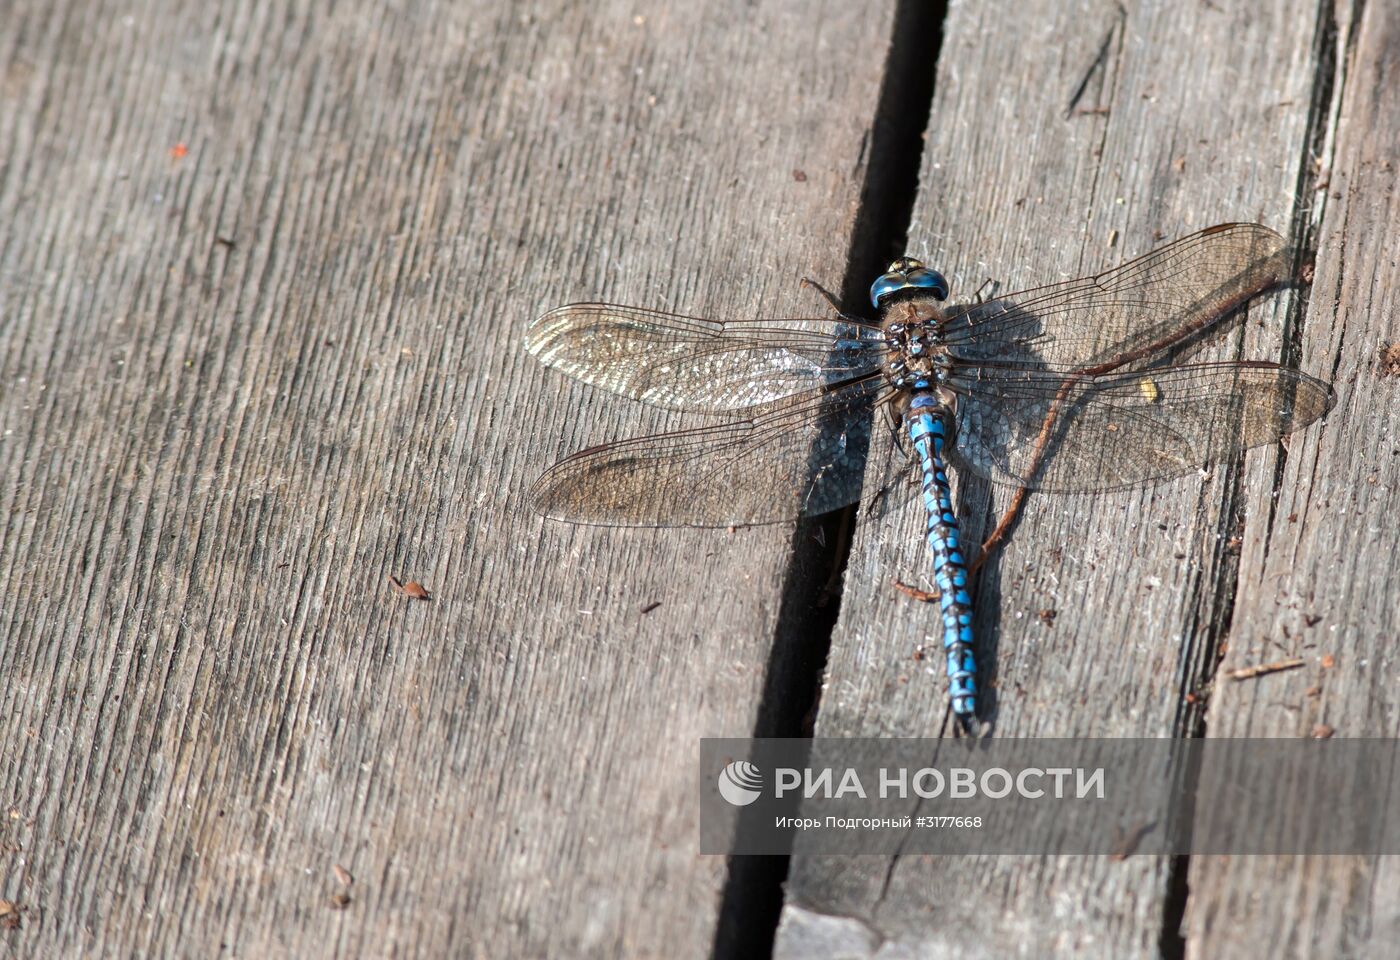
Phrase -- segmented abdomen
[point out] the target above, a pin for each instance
(928, 424)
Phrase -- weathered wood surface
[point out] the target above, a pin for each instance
(1319, 574)
(243, 385)
(1196, 114)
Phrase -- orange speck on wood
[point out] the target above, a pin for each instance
(412, 589)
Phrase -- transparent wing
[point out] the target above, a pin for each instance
(1118, 430)
(805, 456)
(1129, 312)
(685, 363)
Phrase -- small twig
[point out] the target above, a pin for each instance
(1249, 673)
(1126, 841)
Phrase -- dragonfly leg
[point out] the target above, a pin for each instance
(895, 421)
(1003, 528)
(988, 289)
(826, 294)
(923, 596)
(830, 298)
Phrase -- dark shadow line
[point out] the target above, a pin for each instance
(752, 901)
(1303, 237)
(1098, 62)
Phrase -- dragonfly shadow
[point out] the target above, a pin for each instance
(1055, 398)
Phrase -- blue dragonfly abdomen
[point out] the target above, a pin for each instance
(928, 423)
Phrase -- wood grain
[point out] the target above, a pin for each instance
(1320, 579)
(263, 270)
(1190, 115)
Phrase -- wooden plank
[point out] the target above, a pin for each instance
(1321, 579)
(1064, 138)
(263, 276)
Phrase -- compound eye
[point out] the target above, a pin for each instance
(886, 285)
(930, 280)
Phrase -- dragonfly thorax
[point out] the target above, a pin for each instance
(917, 356)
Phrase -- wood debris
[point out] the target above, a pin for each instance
(9, 915)
(1390, 360)
(1249, 673)
(1126, 841)
(412, 589)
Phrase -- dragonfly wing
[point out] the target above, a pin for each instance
(686, 363)
(1155, 301)
(806, 455)
(1118, 430)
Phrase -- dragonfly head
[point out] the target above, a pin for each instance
(906, 273)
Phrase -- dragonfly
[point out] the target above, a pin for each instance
(1080, 386)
